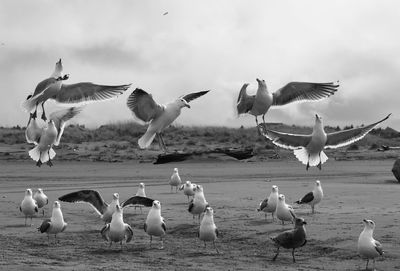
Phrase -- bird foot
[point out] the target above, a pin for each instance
(319, 166)
(44, 117)
(49, 163)
(308, 166)
(39, 163)
(33, 115)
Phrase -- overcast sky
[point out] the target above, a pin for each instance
(200, 45)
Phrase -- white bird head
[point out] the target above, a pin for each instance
(209, 211)
(317, 183)
(275, 189)
(281, 197)
(318, 119)
(115, 196)
(299, 221)
(28, 192)
(182, 103)
(369, 224)
(141, 185)
(58, 69)
(261, 83)
(176, 170)
(56, 204)
(188, 183)
(40, 190)
(156, 204)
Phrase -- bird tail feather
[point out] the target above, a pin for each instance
(145, 141)
(302, 155)
(35, 153)
(46, 157)
(30, 103)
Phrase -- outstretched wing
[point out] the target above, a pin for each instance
(244, 101)
(298, 91)
(347, 137)
(378, 247)
(88, 92)
(90, 196)
(190, 97)
(263, 204)
(306, 199)
(148, 202)
(61, 117)
(143, 106)
(285, 140)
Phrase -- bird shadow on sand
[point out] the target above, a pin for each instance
(21, 226)
(392, 182)
(116, 249)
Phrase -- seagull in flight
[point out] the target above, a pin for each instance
(159, 116)
(309, 148)
(260, 103)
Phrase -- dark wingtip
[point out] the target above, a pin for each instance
(29, 96)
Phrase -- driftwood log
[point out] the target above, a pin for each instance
(396, 169)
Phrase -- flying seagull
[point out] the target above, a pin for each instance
(53, 88)
(309, 148)
(368, 247)
(159, 116)
(314, 197)
(117, 230)
(260, 103)
(55, 224)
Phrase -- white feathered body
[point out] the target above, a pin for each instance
(207, 228)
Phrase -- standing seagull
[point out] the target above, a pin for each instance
(142, 193)
(314, 197)
(309, 148)
(41, 199)
(198, 204)
(51, 135)
(292, 238)
(28, 205)
(53, 88)
(284, 211)
(188, 189)
(175, 180)
(55, 224)
(159, 116)
(269, 204)
(368, 247)
(260, 103)
(155, 224)
(117, 230)
(208, 231)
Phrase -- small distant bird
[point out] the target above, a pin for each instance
(284, 211)
(291, 238)
(308, 149)
(155, 224)
(53, 88)
(117, 230)
(188, 189)
(368, 247)
(208, 230)
(41, 199)
(314, 197)
(260, 103)
(269, 204)
(175, 180)
(165, 13)
(142, 193)
(49, 136)
(55, 224)
(198, 204)
(28, 205)
(145, 109)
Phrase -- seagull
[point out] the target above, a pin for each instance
(368, 247)
(188, 189)
(208, 231)
(28, 205)
(198, 204)
(155, 224)
(291, 238)
(314, 197)
(140, 192)
(117, 230)
(283, 210)
(53, 88)
(41, 199)
(33, 131)
(269, 204)
(51, 135)
(309, 148)
(145, 109)
(165, 13)
(55, 224)
(175, 180)
(260, 103)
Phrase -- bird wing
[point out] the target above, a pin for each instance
(143, 105)
(128, 233)
(61, 117)
(285, 140)
(284, 238)
(263, 204)
(191, 205)
(89, 196)
(298, 91)
(190, 97)
(105, 232)
(307, 198)
(163, 225)
(88, 92)
(181, 187)
(378, 247)
(216, 232)
(45, 225)
(148, 202)
(346, 137)
(244, 102)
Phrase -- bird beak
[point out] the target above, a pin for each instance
(364, 220)
(305, 223)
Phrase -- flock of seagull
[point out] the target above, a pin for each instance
(308, 149)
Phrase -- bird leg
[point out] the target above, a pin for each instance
(276, 255)
(258, 128)
(366, 268)
(151, 239)
(49, 163)
(215, 247)
(43, 113)
(163, 144)
(263, 118)
(308, 162)
(205, 245)
(39, 163)
(320, 162)
(312, 208)
(294, 260)
(162, 243)
(25, 220)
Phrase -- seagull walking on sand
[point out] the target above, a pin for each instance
(53, 88)
(368, 247)
(314, 197)
(198, 204)
(117, 231)
(269, 204)
(175, 180)
(208, 231)
(291, 239)
(55, 224)
(155, 224)
(41, 199)
(284, 211)
(50, 135)
(28, 205)
(145, 109)
(188, 189)
(260, 103)
(308, 149)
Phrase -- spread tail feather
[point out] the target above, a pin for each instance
(35, 153)
(145, 141)
(45, 155)
(303, 156)
(30, 103)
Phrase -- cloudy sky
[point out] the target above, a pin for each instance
(199, 45)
